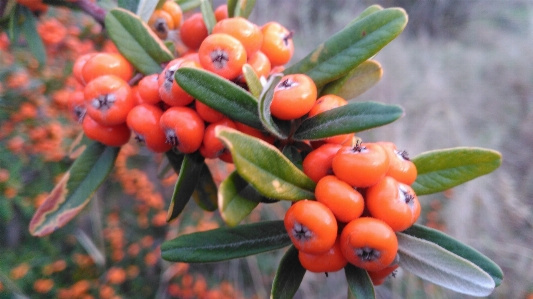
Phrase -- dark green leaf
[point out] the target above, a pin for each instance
(244, 8)
(359, 283)
(265, 167)
(356, 82)
(435, 264)
(443, 169)
(136, 41)
(265, 100)
(289, 276)
(351, 118)
(252, 81)
(236, 199)
(205, 193)
(232, 5)
(351, 46)
(208, 15)
(175, 159)
(29, 29)
(187, 5)
(220, 94)
(458, 248)
(226, 243)
(293, 154)
(189, 174)
(75, 189)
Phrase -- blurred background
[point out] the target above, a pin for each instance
(462, 70)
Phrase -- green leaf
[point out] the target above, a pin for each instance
(435, 264)
(265, 167)
(368, 11)
(440, 170)
(293, 154)
(29, 29)
(351, 46)
(244, 8)
(289, 276)
(187, 5)
(208, 15)
(136, 41)
(252, 81)
(191, 168)
(7, 9)
(279, 129)
(235, 201)
(356, 82)
(75, 189)
(351, 118)
(220, 94)
(226, 243)
(359, 283)
(175, 159)
(145, 8)
(232, 4)
(458, 248)
(205, 193)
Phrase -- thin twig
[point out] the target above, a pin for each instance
(92, 9)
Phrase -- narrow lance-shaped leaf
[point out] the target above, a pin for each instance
(368, 11)
(220, 94)
(236, 199)
(279, 128)
(232, 4)
(75, 189)
(175, 159)
(351, 118)
(252, 81)
(443, 169)
(226, 243)
(189, 174)
(244, 8)
(145, 8)
(356, 82)
(205, 193)
(442, 267)
(461, 249)
(289, 276)
(208, 15)
(187, 5)
(136, 41)
(265, 167)
(359, 283)
(351, 46)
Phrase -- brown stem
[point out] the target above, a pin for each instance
(93, 10)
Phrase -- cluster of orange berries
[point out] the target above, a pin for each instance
(158, 111)
(363, 196)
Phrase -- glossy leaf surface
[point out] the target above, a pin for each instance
(136, 41)
(289, 276)
(220, 94)
(226, 243)
(236, 199)
(189, 174)
(351, 118)
(75, 189)
(265, 167)
(359, 283)
(356, 82)
(440, 170)
(351, 46)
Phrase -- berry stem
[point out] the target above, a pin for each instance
(92, 9)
